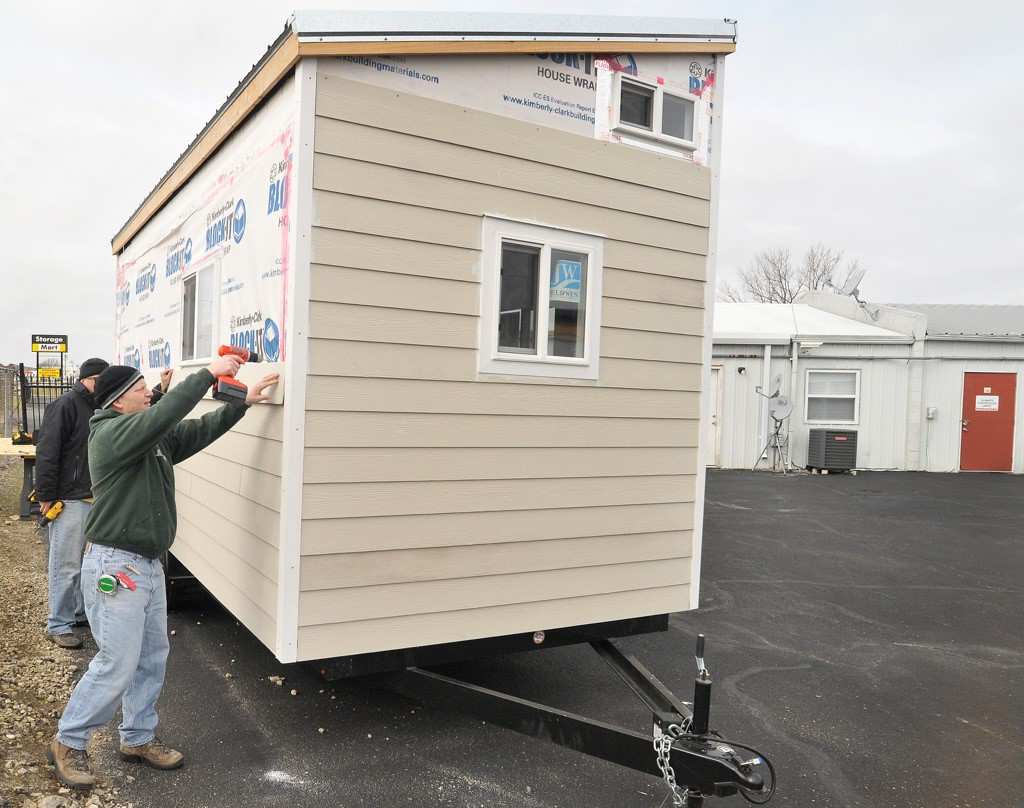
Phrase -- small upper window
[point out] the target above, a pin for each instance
(833, 396)
(637, 108)
(198, 313)
(541, 310)
(648, 110)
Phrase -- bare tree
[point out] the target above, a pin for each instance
(772, 277)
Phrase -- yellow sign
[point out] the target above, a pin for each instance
(49, 373)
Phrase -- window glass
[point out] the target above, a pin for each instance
(188, 318)
(567, 304)
(832, 384)
(831, 409)
(677, 117)
(517, 324)
(637, 105)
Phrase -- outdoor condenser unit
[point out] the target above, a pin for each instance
(832, 449)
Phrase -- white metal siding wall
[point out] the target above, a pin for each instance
(895, 390)
(943, 388)
(739, 418)
(882, 422)
(882, 427)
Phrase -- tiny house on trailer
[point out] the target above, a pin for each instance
(480, 251)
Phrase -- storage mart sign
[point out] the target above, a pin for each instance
(49, 343)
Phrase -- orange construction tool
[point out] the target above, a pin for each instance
(228, 388)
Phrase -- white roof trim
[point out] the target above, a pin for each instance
(329, 26)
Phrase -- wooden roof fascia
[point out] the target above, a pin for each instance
(292, 49)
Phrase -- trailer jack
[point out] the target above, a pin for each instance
(683, 752)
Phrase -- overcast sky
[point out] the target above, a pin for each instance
(894, 135)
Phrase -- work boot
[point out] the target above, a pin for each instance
(70, 765)
(67, 640)
(156, 754)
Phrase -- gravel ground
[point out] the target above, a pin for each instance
(36, 677)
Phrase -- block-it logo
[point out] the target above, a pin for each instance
(271, 340)
(179, 256)
(277, 195)
(238, 228)
(132, 357)
(226, 223)
(159, 351)
(122, 297)
(145, 281)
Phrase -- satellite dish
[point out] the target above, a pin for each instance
(853, 281)
(780, 407)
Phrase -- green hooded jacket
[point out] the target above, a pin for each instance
(131, 459)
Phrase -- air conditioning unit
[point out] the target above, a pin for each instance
(832, 449)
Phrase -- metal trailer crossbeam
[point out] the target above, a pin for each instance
(703, 766)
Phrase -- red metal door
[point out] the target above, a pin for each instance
(986, 438)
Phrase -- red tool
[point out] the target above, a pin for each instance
(228, 388)
(125, 581)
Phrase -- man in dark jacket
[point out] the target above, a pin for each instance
(62, 473)
(132, 451)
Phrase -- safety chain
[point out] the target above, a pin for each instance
(663, 741)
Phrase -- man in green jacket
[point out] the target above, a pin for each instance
(132, 450)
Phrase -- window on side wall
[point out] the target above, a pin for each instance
(833, 397)
(649, 110)
(541, 306)
(198, 314)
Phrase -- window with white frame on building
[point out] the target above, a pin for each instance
(198, 313)
(541, 300)
(650, 110)
(833, 396)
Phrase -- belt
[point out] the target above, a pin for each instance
(90, 544)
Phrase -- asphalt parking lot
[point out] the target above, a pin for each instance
(864, 632)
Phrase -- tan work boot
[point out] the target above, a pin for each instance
(67, 640)
(154, 753)
(70, 765)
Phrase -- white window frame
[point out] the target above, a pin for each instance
(498, 230)
(213, 267)
(654, 133)
(808, 397)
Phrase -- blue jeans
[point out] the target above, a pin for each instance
(67, 541)
(130, 629)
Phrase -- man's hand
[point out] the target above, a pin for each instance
(256, 394)
(44, 507)
(165, 379)
(224, 365)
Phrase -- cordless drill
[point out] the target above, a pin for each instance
(228, 388)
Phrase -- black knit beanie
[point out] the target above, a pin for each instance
(92, 367)
(113, 383)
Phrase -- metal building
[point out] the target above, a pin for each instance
(925, 387)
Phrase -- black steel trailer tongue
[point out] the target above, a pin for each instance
(692, 759)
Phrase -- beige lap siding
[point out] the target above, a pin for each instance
(228, 517)
(440, 506)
